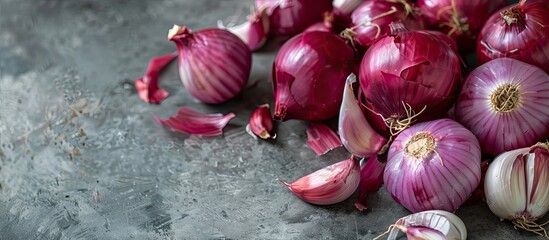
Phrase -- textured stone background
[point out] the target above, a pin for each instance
(82, 158)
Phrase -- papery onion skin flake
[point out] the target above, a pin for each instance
(190, 121)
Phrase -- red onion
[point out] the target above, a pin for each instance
(309, 76)
(448, 40)
(407, 73)
(326, 25)
(520, 31)
(290, 17)
(214, 64)
(505, 103)
(460, 19)
(433, 166)
(370, 21)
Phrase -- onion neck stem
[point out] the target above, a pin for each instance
(513, 16)
(455, 23)
(409, 9)
(350, 33)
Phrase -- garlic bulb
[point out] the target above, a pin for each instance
(432, 224)
(329, 185)
(357, 135)
(252, 32)
(517, 186)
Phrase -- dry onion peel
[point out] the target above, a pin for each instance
(189, 121)
(371, 179)
(147, 86)
(321, 138)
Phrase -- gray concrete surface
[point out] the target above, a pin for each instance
(82, 158)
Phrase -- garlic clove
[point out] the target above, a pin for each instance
(357, 135)
(516, 187)
(504, 184)
(189, 121)
(329, 185)
(261, 123)
(321, 138)
(432, 224)
(254, 31)
(538, 179)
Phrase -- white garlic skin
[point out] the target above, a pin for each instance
(517, 186)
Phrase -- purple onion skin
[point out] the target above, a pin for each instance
(499, 131)
(448, 40)
(429, 183)
(309, 75)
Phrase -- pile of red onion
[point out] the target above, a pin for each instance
(418, 120)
